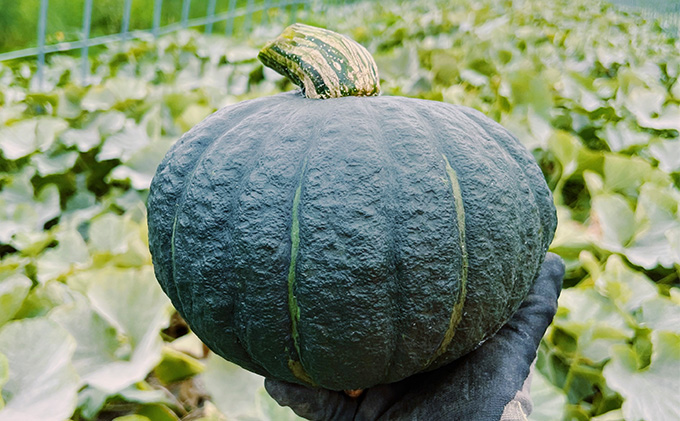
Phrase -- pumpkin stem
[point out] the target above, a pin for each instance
(354, 393)
(323, 63)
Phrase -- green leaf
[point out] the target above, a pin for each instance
(660, 314)
(132, 302)
(667, 152)
(13, 292)
(133, 417)
(83, 139)
(91, 401)
(616, 220)
(240, 394)
(42, 384)
(108, 122)
(4, 377)
(176, 366)
(628, 288)
(157, 412)
(98, 98)
(98, 345)
(657, 221)
(43, 298)
(109, 233)
(141, 166)
(594, 321)
(125, 88)
(650, 393)
(118, 238)
(548, 400)
(192, 115)
(624, 135)
(625, 174)
(124, 144)
(54, 164)
(142, 393)
(70, 253)
(28, 136)
(566, 149)
(21, 212)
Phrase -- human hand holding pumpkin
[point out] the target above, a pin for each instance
(475, 387)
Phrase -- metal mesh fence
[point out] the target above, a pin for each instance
(667, 12)
(245, 12)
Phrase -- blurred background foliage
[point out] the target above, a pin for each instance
(593, 92)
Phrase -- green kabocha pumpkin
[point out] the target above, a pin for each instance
(342, 239)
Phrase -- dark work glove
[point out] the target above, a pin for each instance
(476, 387)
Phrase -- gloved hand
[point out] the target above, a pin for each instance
(476, 387)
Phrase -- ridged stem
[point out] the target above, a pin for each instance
(323, 63)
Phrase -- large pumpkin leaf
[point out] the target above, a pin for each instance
(4, 377)
(13, 291)
(547, 399)
(240, 394)
(42, 384)
(28, 136)
(126, 304)
(650, 392)
(69, 253)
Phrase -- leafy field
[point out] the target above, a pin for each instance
(86, 333)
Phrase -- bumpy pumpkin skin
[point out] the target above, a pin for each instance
(319, 241)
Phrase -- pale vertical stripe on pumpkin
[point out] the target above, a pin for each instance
(323, 63)
(295, 366)
(457, 311)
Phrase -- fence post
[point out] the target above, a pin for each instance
(84, 59)
(249, 17)
(229, 24)
(42, 25)
(125, 26)
(211, 16)
(186, 6)
(157, 7)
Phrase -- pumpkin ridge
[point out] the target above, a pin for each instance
(397, 278)
(501, 139)
(525, 165)
(457, 310)
(187, 181)
(180, 204)
(296, 367)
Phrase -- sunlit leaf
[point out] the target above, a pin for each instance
(13, 291)
(133, 303)
(83, 139)
(176, 366)
(54, 164)
(667, 152)
(622, 135)
(124, 144)
(626, 287)
(240, 394)
(4, 377)
(98, 98)
(616, 220)
(70, 252)
(28, 136)
(42, 384)
(650, 392)
(548, 400)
